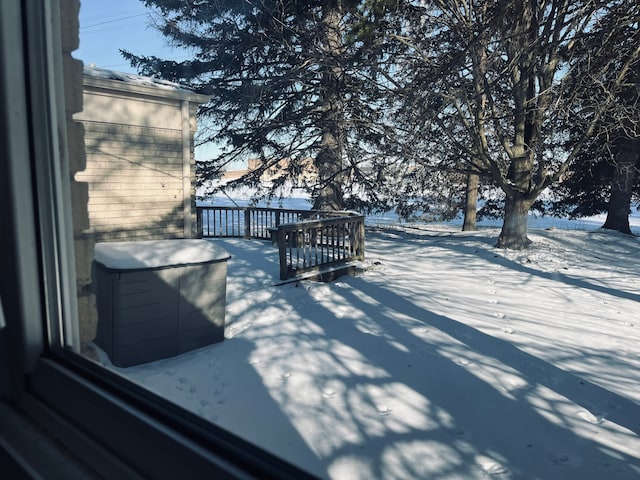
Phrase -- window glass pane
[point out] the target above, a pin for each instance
(445, 358)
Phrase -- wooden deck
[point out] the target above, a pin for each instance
(309, 242)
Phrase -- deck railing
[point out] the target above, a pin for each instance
(309, 246)
(248, 222)
(307, 240)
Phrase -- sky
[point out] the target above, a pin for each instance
(107, 26)
(446, 359)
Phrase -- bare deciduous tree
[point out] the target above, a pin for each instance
(497, 80)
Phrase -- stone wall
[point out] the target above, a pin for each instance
(83, 243)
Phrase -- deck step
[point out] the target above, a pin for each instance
(328, 274)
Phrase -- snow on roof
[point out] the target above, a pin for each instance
(133, 79)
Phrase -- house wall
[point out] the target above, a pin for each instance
(140, 164)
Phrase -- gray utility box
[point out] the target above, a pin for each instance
(157, 299)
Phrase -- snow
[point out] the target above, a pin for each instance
(97, 72)
(157, 253)
(446, 359)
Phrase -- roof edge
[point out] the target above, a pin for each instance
(129, 82)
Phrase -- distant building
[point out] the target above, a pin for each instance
(308, 171)
(140, 165)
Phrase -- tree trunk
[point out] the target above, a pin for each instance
(621, 186)
(329, 195)
(329, 165)
(514, 228)
(471, 203)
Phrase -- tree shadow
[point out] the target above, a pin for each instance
(462, 423)
(181, 362)
(444, 241)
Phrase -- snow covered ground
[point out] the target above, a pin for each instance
(446, 359)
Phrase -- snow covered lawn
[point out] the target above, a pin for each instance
(447, 359)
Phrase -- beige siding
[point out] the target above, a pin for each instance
(140, 166)
(118, 109)
(135, 181)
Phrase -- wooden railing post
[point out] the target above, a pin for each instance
(247, 222)
(199, 213)
(282, 253)
(360, 242)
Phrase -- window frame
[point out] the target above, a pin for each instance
(105, 423)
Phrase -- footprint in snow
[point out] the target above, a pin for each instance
(508, 331)
(559, 459)
(370, 332)
(490, 466)
(590, 417)
(383, 409)
(328, 393)
(491, 292)
(614, 405)
(492, 301)
(499, 315)
(463, 434)
(182, 384)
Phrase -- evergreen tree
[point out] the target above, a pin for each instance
(289, 82)
(625, 172)
(604, 179)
